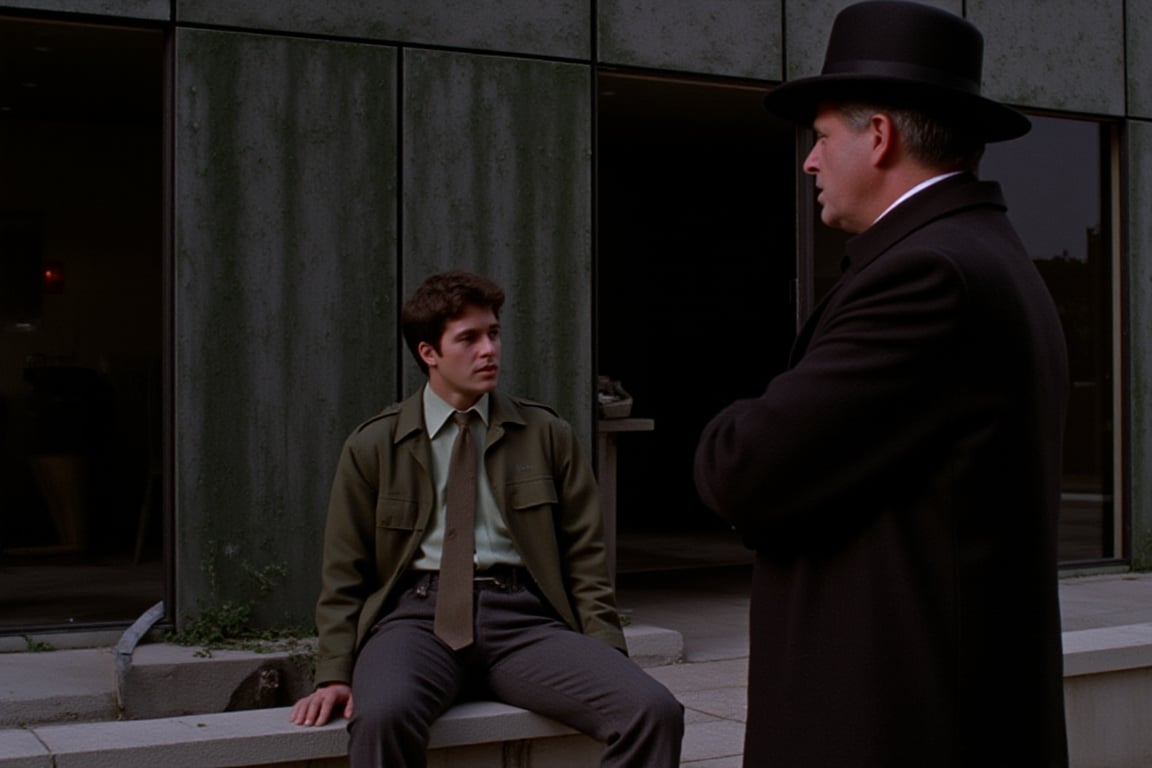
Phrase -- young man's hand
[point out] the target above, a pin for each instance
(317, 707)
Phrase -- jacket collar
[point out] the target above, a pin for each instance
(502, 410)
(941, 199)
(411, 418)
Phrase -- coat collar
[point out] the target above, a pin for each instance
(941, 199)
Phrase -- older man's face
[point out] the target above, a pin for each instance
(840, 161)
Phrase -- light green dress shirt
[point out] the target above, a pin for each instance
(493, 542)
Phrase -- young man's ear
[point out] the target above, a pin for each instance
(428, 354)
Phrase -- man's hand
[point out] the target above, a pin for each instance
(317, 707)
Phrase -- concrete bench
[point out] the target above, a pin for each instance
(161, 693)
(471, 734)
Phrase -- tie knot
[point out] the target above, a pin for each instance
(462, 418)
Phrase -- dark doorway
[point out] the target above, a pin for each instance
(696, 267)
(81, 323)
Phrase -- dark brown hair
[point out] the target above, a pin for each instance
(443, 297)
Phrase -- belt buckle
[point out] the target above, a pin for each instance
(485, 580)
(500, 580)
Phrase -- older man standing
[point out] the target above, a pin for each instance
(900, 481)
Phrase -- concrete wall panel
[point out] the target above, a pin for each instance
(497, 179)
(808, 23)
(559, 28)
(153, 10)
(284, 298)
(1139, 259)
(1053, 54)
(737, 38)
(1138, 22)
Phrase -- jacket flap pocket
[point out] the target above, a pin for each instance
(538, 491)
(396, 513)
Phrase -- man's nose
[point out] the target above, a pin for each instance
(810, 162)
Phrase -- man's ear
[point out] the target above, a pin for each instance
(883, 135)
(428, 354)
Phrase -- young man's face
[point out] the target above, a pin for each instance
(468, 363)
(840, 161)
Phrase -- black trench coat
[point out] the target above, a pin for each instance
(900, 484)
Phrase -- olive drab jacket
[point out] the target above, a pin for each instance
(382, 502)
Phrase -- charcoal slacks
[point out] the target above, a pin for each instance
(523, 655)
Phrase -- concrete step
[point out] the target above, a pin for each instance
(164, 680)
(57, 686)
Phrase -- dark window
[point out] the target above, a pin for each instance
(81, 323)
(695, 268)
(1056, 182)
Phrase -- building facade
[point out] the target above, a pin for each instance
(236, 196)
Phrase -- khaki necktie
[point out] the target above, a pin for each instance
(453, 623)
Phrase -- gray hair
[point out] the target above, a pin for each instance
(928, 139)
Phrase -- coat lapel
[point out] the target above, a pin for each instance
(800, 346)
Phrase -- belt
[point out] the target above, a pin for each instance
(507, 578)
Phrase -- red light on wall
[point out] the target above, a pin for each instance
(53, 277)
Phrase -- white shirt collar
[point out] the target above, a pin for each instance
(437, 411)
(918, 188)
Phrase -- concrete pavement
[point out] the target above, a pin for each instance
(707, 606)
(1112, 613)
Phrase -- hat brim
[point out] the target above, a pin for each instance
(977, 116)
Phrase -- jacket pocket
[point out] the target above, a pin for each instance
(536, 492)
(399, 514)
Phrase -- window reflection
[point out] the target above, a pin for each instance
(1054, 180)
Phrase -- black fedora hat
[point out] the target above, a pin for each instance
(903, 54)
